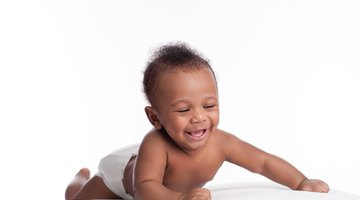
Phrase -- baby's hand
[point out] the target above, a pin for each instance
(314, 185)
(197, 194)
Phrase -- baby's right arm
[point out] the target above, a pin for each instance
(150, 171)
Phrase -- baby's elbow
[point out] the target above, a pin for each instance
(142, 189)
(259, 168)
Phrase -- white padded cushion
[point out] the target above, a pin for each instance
(272, 191)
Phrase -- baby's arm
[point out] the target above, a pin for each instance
(149, 175)
(149, 172)
(270, 166)
(284, 173)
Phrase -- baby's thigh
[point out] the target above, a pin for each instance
(95, 188)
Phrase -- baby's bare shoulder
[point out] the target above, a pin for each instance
(154, 142)
(155, 137)
(152, 151)
(228, 141)
(223, 136)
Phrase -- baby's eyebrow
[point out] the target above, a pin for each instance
(212, 97)
(184, 101)
(187, 101)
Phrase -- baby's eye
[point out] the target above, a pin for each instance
(209, 106)
(183, 110)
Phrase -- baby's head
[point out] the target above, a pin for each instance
(182, 90)
(177, 57)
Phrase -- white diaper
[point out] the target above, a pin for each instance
(111, 169)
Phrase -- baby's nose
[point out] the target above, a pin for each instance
(198, 117)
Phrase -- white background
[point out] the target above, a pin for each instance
(70, 83)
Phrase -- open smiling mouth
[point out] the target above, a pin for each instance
(197, 134)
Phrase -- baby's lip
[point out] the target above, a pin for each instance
(198, 134)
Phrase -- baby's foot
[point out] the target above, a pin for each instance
(84, 173)
(77, 183)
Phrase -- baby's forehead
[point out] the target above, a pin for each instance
(175, 75)
(175, 80)
(184, 71)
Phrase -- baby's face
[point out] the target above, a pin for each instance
(188, 107)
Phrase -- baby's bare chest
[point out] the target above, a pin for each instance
(183, 173)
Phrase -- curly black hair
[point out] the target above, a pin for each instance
(171, 57)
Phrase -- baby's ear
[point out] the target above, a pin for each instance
(152, 116)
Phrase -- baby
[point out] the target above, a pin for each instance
(185, 148)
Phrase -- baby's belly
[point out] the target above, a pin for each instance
(185, 183)
(128, 176)
(183, 188)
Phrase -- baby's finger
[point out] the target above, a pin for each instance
(324, 188)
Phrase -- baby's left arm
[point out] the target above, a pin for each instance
(280, 171)
(273, 167)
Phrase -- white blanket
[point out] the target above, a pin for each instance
(272, 191)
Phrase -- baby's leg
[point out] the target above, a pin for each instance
(77, 183)
(83, 187)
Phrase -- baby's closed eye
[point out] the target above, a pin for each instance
(182, 110)
(210, 106)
